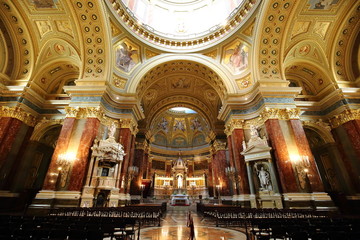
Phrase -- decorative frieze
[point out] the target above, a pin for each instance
(344, 117)
(18, 113)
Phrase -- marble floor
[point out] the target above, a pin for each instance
(173, 227)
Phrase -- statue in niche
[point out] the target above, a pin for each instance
(264, 179)
(179, 181)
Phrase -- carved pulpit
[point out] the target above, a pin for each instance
(103, 178)
(261, 172)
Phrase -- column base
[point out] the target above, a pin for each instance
(317, 201)
(243, 200)
(48, 199)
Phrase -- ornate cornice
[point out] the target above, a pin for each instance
(18, 113)
(84, 112)
(280, 113)
(344, 117)
(319, 124)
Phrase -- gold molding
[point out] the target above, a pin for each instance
(18, 113)
(344, 117)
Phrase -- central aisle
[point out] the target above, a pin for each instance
(173, 227)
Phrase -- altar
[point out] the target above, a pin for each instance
(180, 200)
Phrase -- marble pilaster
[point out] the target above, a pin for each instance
(79, 167)
(285, 170)
(61, 146)
(304, 150)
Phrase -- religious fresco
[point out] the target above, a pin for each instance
(237, 57)
(126, 57)
(163, 124)
(322, 4)
(180, 128)
(179, 124)
(44, 3)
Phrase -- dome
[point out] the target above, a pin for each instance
(182, 19)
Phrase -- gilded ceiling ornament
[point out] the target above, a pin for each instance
(212, 54)
(321, 4)
(321, 28)
(44, 27)
(300, 27)
(344, 117)
(244, 82)
(129, 123)
(119, 82)
(64, 26)
(18, 113)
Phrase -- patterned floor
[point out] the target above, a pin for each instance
(173, 227)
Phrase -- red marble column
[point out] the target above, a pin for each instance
(284, 166)
(353, 131)
(190, 170)
(7, 137)
(210, 179)
(80, 165)
(138, 161)
(168, 170)
(14, 137)
(131, 158)
(350, 129)
(125, 140)
(232, 163)
(220, 164)
(61, 146)
(237, 137)
(304, 150)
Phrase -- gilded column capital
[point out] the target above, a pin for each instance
(84, 112)
(344, 117)
(280, 113)
(141, 145)
(233, 124)
(129, 123)
(219, 145)
(18, 113)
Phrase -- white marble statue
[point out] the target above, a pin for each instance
(264, 178)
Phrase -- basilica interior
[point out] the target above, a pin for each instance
(246, 103)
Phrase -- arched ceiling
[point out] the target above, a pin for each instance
(181, 83)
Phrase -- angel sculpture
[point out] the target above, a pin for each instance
(124, 59)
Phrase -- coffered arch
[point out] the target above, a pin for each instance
(221, 78)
